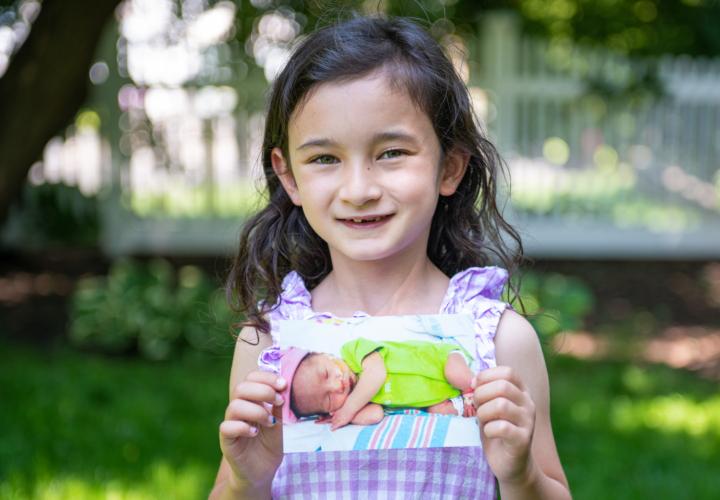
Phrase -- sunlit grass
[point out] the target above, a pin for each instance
(160, 480)
(607, 191)
(674, 413)
(182, 200)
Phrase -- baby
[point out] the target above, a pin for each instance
(374, 375)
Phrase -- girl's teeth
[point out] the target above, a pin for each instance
(367, 220)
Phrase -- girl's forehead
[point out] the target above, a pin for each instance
(355, 108)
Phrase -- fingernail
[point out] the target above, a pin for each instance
(253, 430)
(272, 420)
(278, 400)
(281, 382)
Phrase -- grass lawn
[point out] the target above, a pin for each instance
(76, 425)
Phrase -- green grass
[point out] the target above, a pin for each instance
(628, 431)
(83, 426)
(77, 426)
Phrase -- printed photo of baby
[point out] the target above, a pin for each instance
(385, 382)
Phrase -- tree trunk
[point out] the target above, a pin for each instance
(45, 85)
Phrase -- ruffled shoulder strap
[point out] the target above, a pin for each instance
(485, 282)
(294, 302)
(477, 291)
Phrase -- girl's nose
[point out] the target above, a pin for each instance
(359, 184)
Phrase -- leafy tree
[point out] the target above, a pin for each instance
(45, 84)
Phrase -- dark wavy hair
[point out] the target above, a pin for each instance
(467, 227)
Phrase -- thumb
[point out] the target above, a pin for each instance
(277, 413)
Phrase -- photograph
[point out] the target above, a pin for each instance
(377, 383)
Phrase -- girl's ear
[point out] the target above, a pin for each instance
(453, 169)
(282, 170)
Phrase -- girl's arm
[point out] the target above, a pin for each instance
(513, 406)
(369, 383)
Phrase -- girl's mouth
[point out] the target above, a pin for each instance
(366, 221)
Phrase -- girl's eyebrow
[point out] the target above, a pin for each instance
(394, 136)
(321, 143)
(380, 137)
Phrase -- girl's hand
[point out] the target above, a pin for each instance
(506, 415)
(251, 434)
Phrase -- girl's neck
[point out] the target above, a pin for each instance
(384, 288)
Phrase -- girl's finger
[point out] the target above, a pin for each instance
(512, 434)
(233, 429)
(499, 389)
(256, 391)
(247, 411)
(268, 378)
(497, 373)
(502, 409)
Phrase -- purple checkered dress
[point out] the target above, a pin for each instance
(396, 473)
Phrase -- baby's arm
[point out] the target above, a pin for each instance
(372, 413)
(369, 383)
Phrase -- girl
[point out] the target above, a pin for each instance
(381, 199)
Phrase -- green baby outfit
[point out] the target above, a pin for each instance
(415, 371)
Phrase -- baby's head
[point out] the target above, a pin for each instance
(318, 383)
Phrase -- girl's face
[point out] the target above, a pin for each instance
(366, 169)
(321, 384)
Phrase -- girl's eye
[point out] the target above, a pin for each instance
(324, 160)
(392, 153)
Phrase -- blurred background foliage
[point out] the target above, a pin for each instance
(115, 335)
(151, 309)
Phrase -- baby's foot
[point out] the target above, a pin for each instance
(444, 408)
(468, 406)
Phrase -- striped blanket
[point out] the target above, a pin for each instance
(405, 430)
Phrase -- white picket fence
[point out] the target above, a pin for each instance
(595, 175)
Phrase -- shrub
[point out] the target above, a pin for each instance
(152, 308)
(555, 302)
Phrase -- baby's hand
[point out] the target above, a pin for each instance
(341, 417)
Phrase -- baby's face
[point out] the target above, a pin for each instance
(321, 384)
